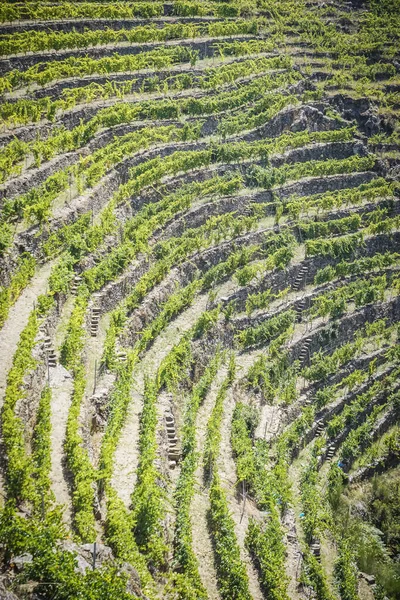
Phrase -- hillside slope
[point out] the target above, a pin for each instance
(199, 300)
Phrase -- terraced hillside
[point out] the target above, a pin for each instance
(199, 300)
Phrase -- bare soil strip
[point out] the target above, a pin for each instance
(126, 456)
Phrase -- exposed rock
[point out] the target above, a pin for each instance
(360, 510)
(372, 125)
(368, 578)
(100, 409)
(133, 585)
(84, 554)
(21, 561)
(103, 553)
(5, 594)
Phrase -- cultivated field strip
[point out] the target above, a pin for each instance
(199, 299)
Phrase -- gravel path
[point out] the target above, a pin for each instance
(61, 384)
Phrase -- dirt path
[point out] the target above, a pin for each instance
(240, 513)
(270, 418)
(295, 535)
(294, 555)
(202, 544)
(93, 352)
(61, 384)
(16, 321)
(270, 414)
(97, 382)
(126, 456)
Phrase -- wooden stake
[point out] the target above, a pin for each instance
(94, 555)
(95, 376)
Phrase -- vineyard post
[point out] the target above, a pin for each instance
(266, 429)
(300, 234)
(95, 376)
(94, 555)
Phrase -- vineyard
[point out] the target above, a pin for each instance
(200, 300)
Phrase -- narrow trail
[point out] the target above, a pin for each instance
(94, 382)
(269, 423)
(165, 402)
(245, 360)
(11, 331)
(202, 544)
(93, 353)
(295, 536)
(126, 456)
(97, 382)
(270, 419)
(294, 555)
(16, 321)
(240, 512)
(61, 384)
(329, 549)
